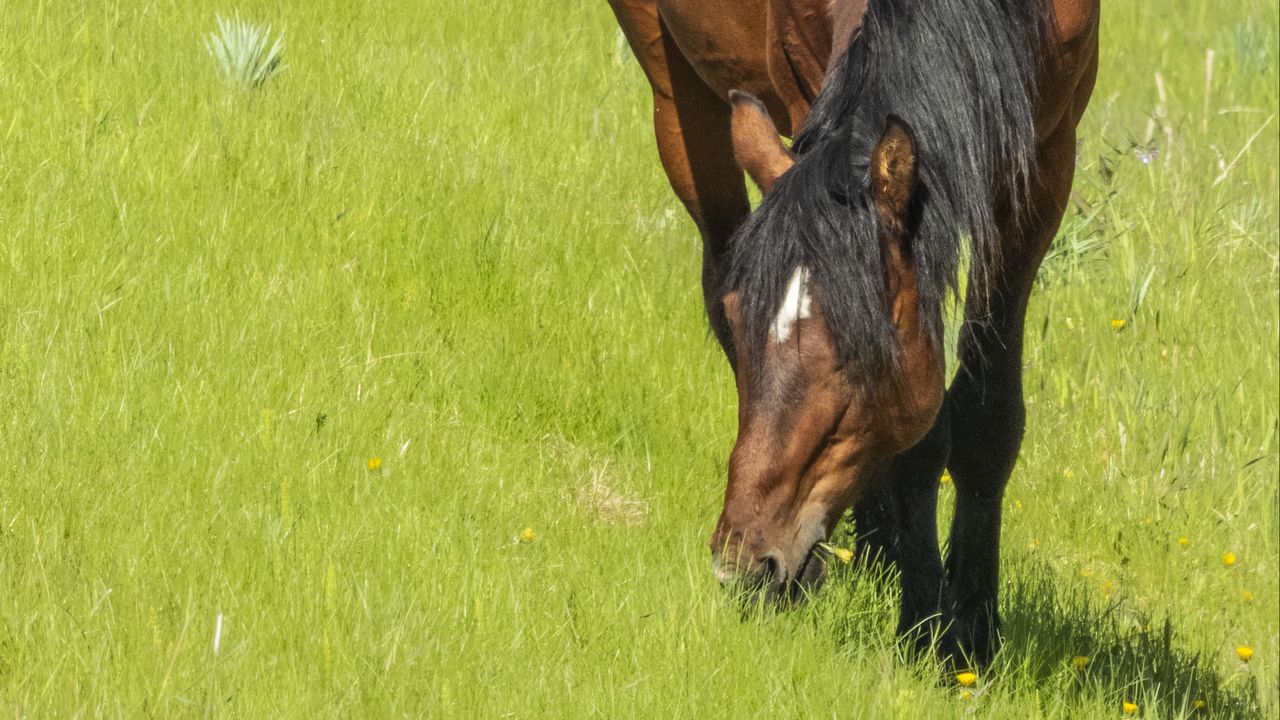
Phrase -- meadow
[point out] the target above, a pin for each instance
(287, 372)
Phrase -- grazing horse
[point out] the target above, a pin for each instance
(916, 124)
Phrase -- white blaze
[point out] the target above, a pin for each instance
(795, 306)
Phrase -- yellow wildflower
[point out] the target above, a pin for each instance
(1117, 325)
(1080, 661)
(845, 554)
(1228, 559)
(527, 535)
(373, 463)
(1244, 652)
(1246, 596)
(1128, 707)
(966, 679)
(1067, 473)
(1184, 541)
(1198, 704)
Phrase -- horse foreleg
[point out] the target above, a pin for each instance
(692, 125)
(899, 522)
(988, 415)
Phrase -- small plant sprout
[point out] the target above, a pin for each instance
(245, 52)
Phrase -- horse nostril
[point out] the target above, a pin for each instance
(770, 570)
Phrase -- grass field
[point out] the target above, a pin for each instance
(286, 371)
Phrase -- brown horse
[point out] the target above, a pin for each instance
(916, 123)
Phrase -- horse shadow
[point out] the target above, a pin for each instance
(1064, 637)
(1062, 640)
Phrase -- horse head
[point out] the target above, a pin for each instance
(816, 422)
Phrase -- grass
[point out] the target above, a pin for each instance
(442, 239)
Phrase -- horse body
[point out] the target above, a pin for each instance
(694, 52)
(849, 409)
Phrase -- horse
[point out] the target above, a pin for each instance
(924, 133)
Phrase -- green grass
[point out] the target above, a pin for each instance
(441, 238)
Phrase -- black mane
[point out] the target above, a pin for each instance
(962, 74)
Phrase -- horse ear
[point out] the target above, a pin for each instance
(732, 304)
(756, 144)
(893, 170)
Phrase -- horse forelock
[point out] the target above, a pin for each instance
(962, 74)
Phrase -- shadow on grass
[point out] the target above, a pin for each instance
(1123, 654)
(1061, 641)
